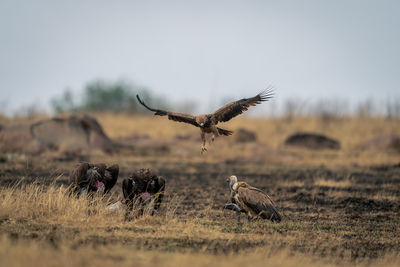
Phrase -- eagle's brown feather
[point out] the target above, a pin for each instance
(175, 116)
(224, 132)
(181, 117)
(236, 108)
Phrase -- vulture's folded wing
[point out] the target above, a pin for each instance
(180, 117)
(78, 175)
(128, 189)
(160, 193)
(236, 108)
(161, 183)
(111, 177)
(259, 202)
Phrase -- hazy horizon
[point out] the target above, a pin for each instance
(204, 51)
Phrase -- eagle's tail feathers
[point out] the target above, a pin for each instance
(224, 132)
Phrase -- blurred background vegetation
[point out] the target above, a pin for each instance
(101, 95)
(120, 96)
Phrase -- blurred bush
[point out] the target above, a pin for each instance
(63, 103)
(100, 95)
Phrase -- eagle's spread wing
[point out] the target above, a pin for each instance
(181, 117)
(235, 108)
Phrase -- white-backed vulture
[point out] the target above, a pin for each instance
(252, 201)
(142, 187)
(91, 178)
(207, 122)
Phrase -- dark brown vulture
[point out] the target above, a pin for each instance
(252, 201)
(142, 188)
(91, 178)
(207, 122)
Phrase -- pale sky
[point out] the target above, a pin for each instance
(201, 50)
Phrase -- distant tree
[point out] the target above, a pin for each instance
(64, 103)
(99, 95)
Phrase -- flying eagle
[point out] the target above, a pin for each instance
(91, 178)
(207, 122)
(250, 200)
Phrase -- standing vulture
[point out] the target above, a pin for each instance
(92, 178)
(142, 188)
(252, 201)
(207, 122)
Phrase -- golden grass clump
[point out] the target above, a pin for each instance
(332, 183)
(51, 204)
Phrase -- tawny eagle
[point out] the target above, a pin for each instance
(207, 122)
(252, 201)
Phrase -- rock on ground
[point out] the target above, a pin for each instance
(312, 141)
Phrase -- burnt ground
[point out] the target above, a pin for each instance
(326, 211)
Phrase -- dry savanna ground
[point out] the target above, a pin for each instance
(339, 207)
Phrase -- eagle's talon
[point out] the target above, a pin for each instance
(203, 149)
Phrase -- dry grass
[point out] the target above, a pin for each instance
(333, 183)
(352, 132)
(50, 205)
(23, 253)
(339, 207)
(46, 227)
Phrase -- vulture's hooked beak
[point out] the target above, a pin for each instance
(201, 124)
(227, 180)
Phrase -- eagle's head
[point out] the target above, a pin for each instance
(232, 180)
(204, 121)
